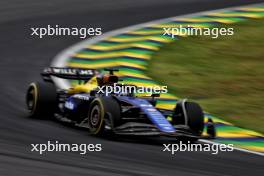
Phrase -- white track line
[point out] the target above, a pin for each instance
(61, 59)
(239, 149)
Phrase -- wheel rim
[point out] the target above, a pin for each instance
(95, 116)
(31, 99)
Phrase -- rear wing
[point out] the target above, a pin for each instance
(68, 73)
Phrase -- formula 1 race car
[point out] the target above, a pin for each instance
(124, 114)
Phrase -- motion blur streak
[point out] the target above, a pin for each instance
(23, 57)
(104, 53)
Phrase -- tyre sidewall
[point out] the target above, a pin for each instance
(99, 127)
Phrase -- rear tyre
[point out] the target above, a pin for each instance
(41, 99)
(102, 109)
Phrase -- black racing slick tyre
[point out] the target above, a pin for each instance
(190, 114)
(41, 99)
(100, 109)
(195, 117)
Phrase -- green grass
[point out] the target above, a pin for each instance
(224, 75)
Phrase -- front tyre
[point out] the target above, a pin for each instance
(190, 114)
(195, 117)
(96, 117)
(41, 99)
(101, 110)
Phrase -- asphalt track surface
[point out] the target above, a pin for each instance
(23, 57)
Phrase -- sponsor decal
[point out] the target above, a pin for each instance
(82, 97)
(69, 105)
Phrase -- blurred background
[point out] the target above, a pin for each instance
(23, 58)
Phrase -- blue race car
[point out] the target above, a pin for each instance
(86, 104)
